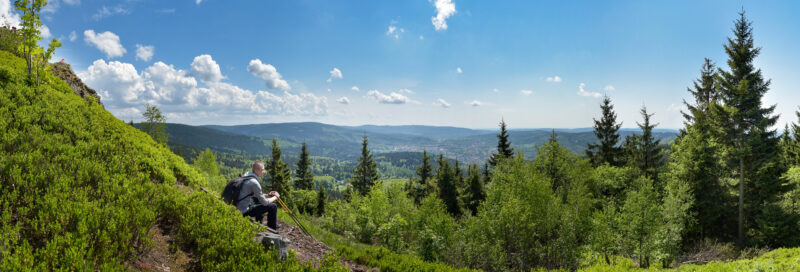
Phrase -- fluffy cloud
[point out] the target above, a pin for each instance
(198, 1)
(444, 9)
(554, 79)
(394, 31)
(458, 70)
(73, 36)
(205, 68)
(476, 103)
(7, 15)
(526, 92)
(106, 12)
(441, 102)
(609, 88)
(392, 98)
(107, 42)
(343, 100)
(269, 74)
(145, 52)
(406, 91)
(355, 88)
(177, 91)
(335, 73)
(45, 31)
(583, 92)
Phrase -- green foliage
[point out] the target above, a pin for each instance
(606, 129)
(503, 146)
(475, 193)
(322, 199)
(421, 187)
(10, 40)
(446, 180)
(155, 124)
(35, 56)
(304, 201)
(207, 162)
(80, 189)
(279, 173)
(365, 175)
(305, 179)
(640, 214)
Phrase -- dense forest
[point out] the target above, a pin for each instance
(81, 189)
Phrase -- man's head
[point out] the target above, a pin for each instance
(258, 169)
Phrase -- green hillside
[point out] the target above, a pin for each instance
(81, 190)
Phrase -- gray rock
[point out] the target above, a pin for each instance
(268, 240)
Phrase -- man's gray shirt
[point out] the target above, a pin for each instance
(252, 185)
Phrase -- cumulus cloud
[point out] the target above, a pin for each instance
(583, 92)
(442, 102)
(73, 36)
(343, 100)
(554, 79)
(394, 31)
(109, 11)
(45, 31)
(444, 9)
(205, 68)
(355, 88)
(526, 92)
(335, 73)
(269, 74)
(144, 52)
(177, 91)
(392, 98)
(7, 15)
(609, 88)
(107, 42)
(476, 103)
(458, 70)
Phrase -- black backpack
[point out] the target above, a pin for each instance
(231, 192)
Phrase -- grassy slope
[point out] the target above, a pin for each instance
(79, 189)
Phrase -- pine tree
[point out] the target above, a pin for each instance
(420, 186)
(705, 93)
(607, 132)
(790, 143)
(322, 198)
(366, 172)
(279, 173)
(750, 133)
(448, 193)
(305, 179)
(503, 146)
(476, 192)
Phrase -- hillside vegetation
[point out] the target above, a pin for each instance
(80, 190)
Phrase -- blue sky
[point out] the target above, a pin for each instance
(456, 63)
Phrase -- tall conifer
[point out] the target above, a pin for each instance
(305, 179)
(607, 131)
(446, 181)
(475, 193)
(365, 175)
(420, 186)
(503, 145)
(279, 173)
(651, 154)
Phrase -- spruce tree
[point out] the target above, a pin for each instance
(790, 143)
(503, 146)
(607, 132)
(279, 173)
(365, 175)
(705, 93)
(322, 198)
(554, 162)
(305, 179)
(446, 181)
(650, 152)
(750, 133)
(476, 192)
(420, 186)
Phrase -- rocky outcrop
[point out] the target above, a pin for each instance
(64, 71)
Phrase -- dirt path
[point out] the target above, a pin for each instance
(307, 249)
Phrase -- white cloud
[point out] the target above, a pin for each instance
(609, 88)
(335, 73)
(421, 37)
(496, 90)
(526, 92)
(444, 9)
(198, 1)
(122, 89)
(7, 15)
(355, 88)
(205, 68)
(343, 100)
(45, 31)
(269, 74)
(394, 31)
(674, 108)
(476, 103)
(554, 79)
(406, 91)
(392, 98)
(583, 92)
(106, 12)
(145, 52)
(441, 102)
(165, 11)
(72, 2)
(107, 42)
(73, 36)
(458, 70)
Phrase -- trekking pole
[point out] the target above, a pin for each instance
(286, 209)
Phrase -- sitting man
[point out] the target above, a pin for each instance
(259, 203)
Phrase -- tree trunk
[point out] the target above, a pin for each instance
(741, 203)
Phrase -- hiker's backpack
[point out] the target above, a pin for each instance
(231, 192)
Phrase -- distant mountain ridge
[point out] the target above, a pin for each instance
(344, 142)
